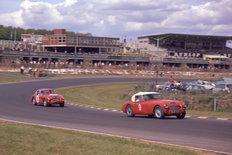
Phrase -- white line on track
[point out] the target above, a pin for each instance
(202, 117)
(223, 119)
(106, 109)
(112, 135)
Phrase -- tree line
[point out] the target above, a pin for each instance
(14, 33)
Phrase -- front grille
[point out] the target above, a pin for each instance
(174, 107)
(55, 99)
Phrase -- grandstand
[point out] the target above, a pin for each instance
(184, 45)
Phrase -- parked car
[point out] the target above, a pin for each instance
(224, 85)
(206, 84)
(175, 87)
(152, 104)
(47, 97)
(221, 88)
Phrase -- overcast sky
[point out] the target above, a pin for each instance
(118, 18)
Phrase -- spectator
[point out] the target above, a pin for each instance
(171, 80)
(22, 69)
(30, 71)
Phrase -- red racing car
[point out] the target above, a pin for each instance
(152, 104)
(47, 97)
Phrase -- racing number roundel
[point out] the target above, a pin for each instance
(140, 107)
(37, 98)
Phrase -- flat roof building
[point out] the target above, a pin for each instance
(62, 42)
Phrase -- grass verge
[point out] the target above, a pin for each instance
(4, 79)
(14, 73)
(111, 96)
(29, 139)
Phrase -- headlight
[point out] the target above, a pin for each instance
(49, 98)
(165, 106)
(184, 105)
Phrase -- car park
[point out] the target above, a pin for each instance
(47, 97)
(152, 104)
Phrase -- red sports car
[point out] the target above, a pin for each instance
(152, 104)
(47, 97)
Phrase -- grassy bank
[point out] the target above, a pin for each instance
(20, 139)
(113, 96)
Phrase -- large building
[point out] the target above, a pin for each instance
(184, 45)
(32, 38)
(62, 42)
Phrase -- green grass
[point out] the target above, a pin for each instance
(106, 95)
(4, 79)
(14, 73)
(21, 139)
(112, 96)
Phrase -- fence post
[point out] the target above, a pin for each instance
(191, 102)
(215, 105)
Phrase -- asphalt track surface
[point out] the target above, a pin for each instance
(15, 105)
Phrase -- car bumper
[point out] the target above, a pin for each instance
(174, 112)
(56, 102)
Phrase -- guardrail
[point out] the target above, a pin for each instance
(195, 61)
(108, 57)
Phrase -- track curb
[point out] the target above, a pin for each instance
(119, 111)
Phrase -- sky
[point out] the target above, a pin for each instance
(121, 18)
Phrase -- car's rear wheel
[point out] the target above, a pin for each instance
(181, 116)
(129, 111)
(34, 102)
(45, 103)
(62, 104)
(158, 112)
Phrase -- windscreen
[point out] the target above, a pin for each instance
(152, 96)
(48, 92)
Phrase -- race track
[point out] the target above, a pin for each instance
(15, 105)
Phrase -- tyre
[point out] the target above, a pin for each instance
(34, 102)
(129, 111)
(181, 116)
(45, 103)
(62, 104)
(158, 112)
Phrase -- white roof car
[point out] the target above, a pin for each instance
(142, 93)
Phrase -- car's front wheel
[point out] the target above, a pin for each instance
(158, 112)
(62, 104)
(129, 111)
(34, 102)
(181, 116)
(45, 103)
